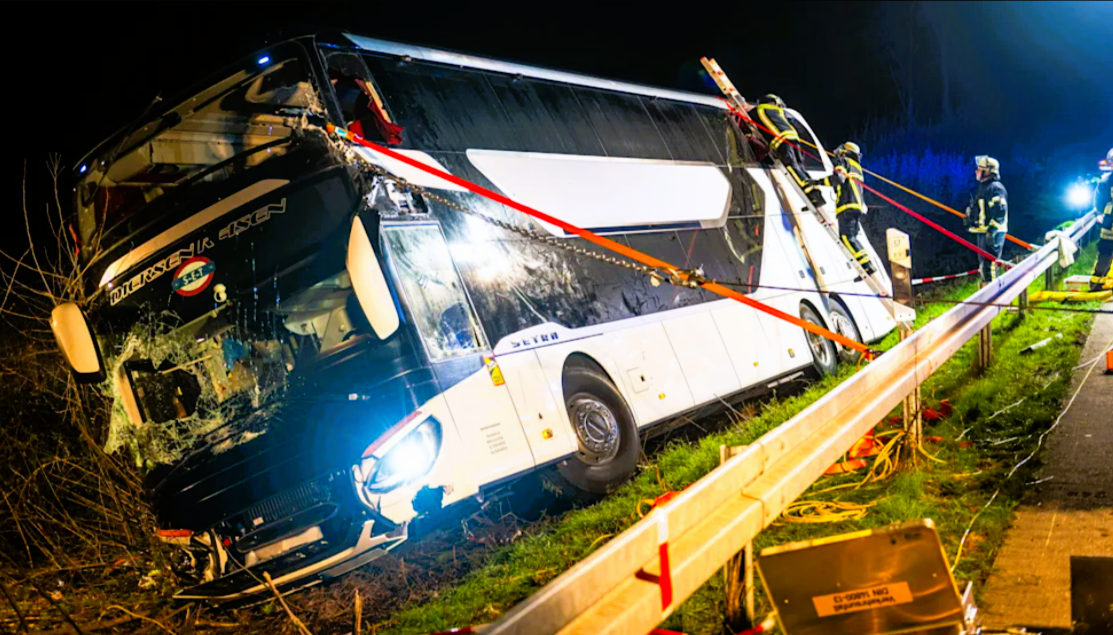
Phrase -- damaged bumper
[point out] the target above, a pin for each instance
(304, 566)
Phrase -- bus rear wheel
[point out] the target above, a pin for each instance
(824, 356)
(605, 432)
(844, 325)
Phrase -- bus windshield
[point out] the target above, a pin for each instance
(237, 122)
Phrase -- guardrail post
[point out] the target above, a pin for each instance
(1022, 302)
(745, 561)
(900, 262)
(911, 413)
(1049, 277)
(985, 348)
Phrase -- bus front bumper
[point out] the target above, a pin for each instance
(298, 568)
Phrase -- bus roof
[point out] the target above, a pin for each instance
(385, 47)
(510, 68)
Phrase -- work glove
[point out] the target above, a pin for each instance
(816, 197)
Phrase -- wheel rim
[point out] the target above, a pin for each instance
(819, 346)
(843, 326)
(596, 428)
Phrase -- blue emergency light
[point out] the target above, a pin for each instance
(1079, 195)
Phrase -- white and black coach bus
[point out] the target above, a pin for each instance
(310, 359)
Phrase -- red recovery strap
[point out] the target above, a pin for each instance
(938, 227)
(965, 243)
(632, 254)
(1010, 237)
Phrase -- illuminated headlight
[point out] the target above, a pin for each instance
(410, 459)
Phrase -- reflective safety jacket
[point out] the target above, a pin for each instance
(988, 208)
(847, 181)
(1103, 203)
(773, 118)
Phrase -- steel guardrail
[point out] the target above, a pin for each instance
(614, 590)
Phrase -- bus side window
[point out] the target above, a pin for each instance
(808, 154)
(433, 290)
(740, 150)
(361, 102)
(743, 233)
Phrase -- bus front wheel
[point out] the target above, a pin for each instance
(824, 356)
(605, 433)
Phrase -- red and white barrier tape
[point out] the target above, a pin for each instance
(948, 277)
(663, 556)
(765, 626)
(664, 580)
(957, 275)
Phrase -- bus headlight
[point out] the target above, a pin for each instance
(409, 459)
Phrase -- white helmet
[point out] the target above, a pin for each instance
(1107, 164)
(849, 148)
(988, 164)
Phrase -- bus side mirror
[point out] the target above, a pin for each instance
(369, 283)
(76, 341)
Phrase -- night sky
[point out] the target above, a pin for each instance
(110, 66)
(84, 70)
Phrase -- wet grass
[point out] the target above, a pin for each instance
(951, 493)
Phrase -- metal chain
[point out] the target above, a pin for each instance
(695, 278)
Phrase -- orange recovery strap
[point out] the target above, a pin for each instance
(936, 203)
(606, 243)
(936, 226)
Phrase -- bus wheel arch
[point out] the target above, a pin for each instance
(824, 354)
(604, 427)
(844, 323)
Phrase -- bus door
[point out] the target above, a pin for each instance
(477, 397)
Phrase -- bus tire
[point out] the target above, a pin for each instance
(824, 356)
(605, 431)
(843, 324)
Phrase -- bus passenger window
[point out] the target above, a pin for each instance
(433, 290)
(808, 155)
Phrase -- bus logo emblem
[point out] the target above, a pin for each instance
(193, 276)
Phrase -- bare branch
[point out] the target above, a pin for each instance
(46, 596)
(27, 225)
(15, 607)
(8, 292)
(293, 618)
(142, 617)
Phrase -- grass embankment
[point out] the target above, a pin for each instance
(951, 492)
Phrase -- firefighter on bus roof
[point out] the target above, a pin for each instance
(850, 205)
(771, 115)
(1102, 276)
(987, 215)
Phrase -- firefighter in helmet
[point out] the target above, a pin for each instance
(849, 202)
(1102, 276)
(771, 115)
(987, 215)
